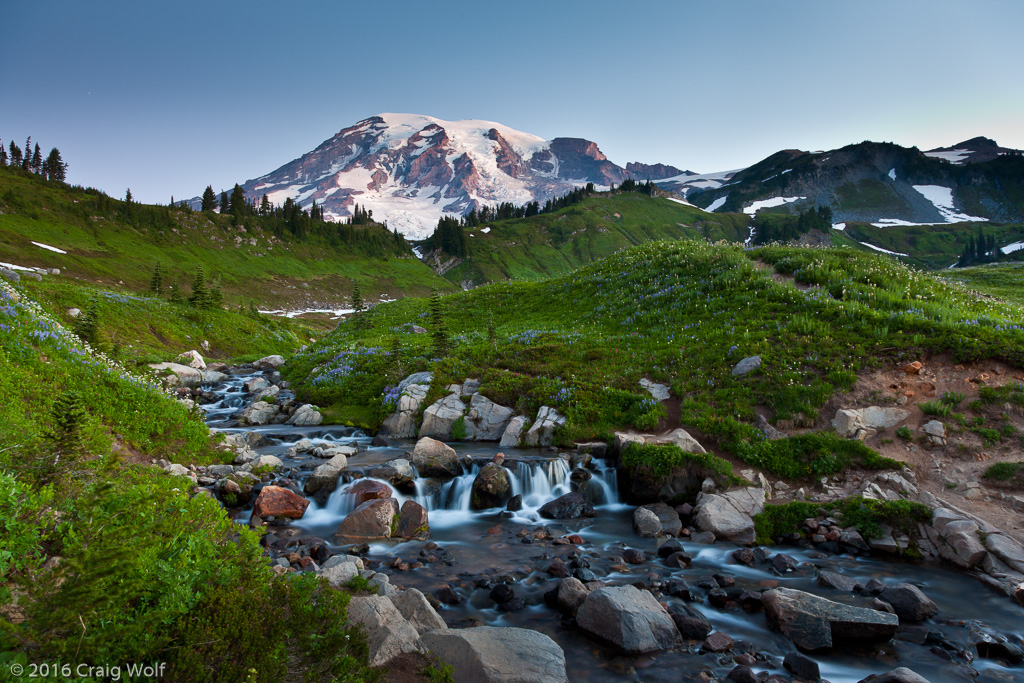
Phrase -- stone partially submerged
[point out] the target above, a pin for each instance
(629, 618)
(730, 515)
(814, 623)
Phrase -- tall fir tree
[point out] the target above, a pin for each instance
(175, 296)
(3, 154)
(54, 167)
(200, 297)
(209, 201)
(87, 324)
(26, 159)
(358, 305)
(224, 205)
(15, 154)
(238, 207)
(156, 281)
(37, 160)
(216, 295)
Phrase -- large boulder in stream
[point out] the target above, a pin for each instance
(908, 602)
(277, 501)
(372, 520)
(413, 521)
(814, 623)
(368, 489)
(431, 458)
(492, 654)
(269, 363)
(899, 675)
(399, 473)
(513, 433)
(486, 420)
(259, 413)
(628, 618)
(176, 374)
(570, 506)
(492, 487)
(306, 416)
(440, 416)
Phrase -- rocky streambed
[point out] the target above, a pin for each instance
(527, 564)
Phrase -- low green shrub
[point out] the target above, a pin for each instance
(1005, 471)
(812, 454)
(936, 408)
(662, 459)
(865, 514)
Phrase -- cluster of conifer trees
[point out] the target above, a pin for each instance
(773, 227)
(205, 295)
(979, 250)
(31, 160)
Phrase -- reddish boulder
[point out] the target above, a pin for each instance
(371, 520)
(279, 502)
(366, 489)
(412, 523)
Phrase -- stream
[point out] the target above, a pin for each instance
(487, 547)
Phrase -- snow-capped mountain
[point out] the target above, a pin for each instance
(410, 169)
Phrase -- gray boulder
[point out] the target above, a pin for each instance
(388, 634)
(730, 515)
(571, 594)
(679, 437)
(542, 432)
(660, 392)
(259, 413)
(401, 424)
(814, 623)
(570, 506)
(848, 422)
(486, 420)
(324, 477)
(489, 654)
(492, 487)
(373, 519)
(431, 458)
(899, 675)
(417, 610)
(306, 416)
(439, 417)
(339, 573)
(398, 472)
(746, 365)
(629, 618)
(908, 602)
(256, 385)
(269, 363)
(646, 523)
(513, 433)
(424, 378)
(176, 374)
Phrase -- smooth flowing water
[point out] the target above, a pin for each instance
(487, 547)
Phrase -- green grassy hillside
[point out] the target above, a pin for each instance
(110, 243)
(557, 243)
(683, 313)
(110, 559)
(1004, 281)
(930, 246)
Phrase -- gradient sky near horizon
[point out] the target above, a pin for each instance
(167, 97)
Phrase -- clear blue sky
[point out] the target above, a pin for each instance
(167, 97)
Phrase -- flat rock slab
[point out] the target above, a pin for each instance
(491, 654)
(814, 623)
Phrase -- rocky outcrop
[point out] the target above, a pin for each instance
(628, 618)
(402, 423)
(431, 458)
(489, 654)
(513, 434)
(730, 515)
(269, 363)
(747, 365)
(440, 416)
(814, 623)
(542, 431)
(486, 420)
(259, 413)
(858, 423)
(417, 610)
(193, 359)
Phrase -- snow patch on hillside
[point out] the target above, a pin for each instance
(769, 203)
(884, 251)
(953, 156)
(892, 173)
(839, 226)
(717, 204)
(47, 246)
(1010, 248)
(942, 198)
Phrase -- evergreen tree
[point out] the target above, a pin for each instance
(54, 167)
(37, 160)
(128, 196)
(156, 282)
(358, 305)
(224, 206)
(176, 297)
(216, 295)
(440, 333)
(15, 154)
(209, 201)
(238, 201)
(86, 325)
(200, 297)
(265, 207)
(26, 160)
(3, 154)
